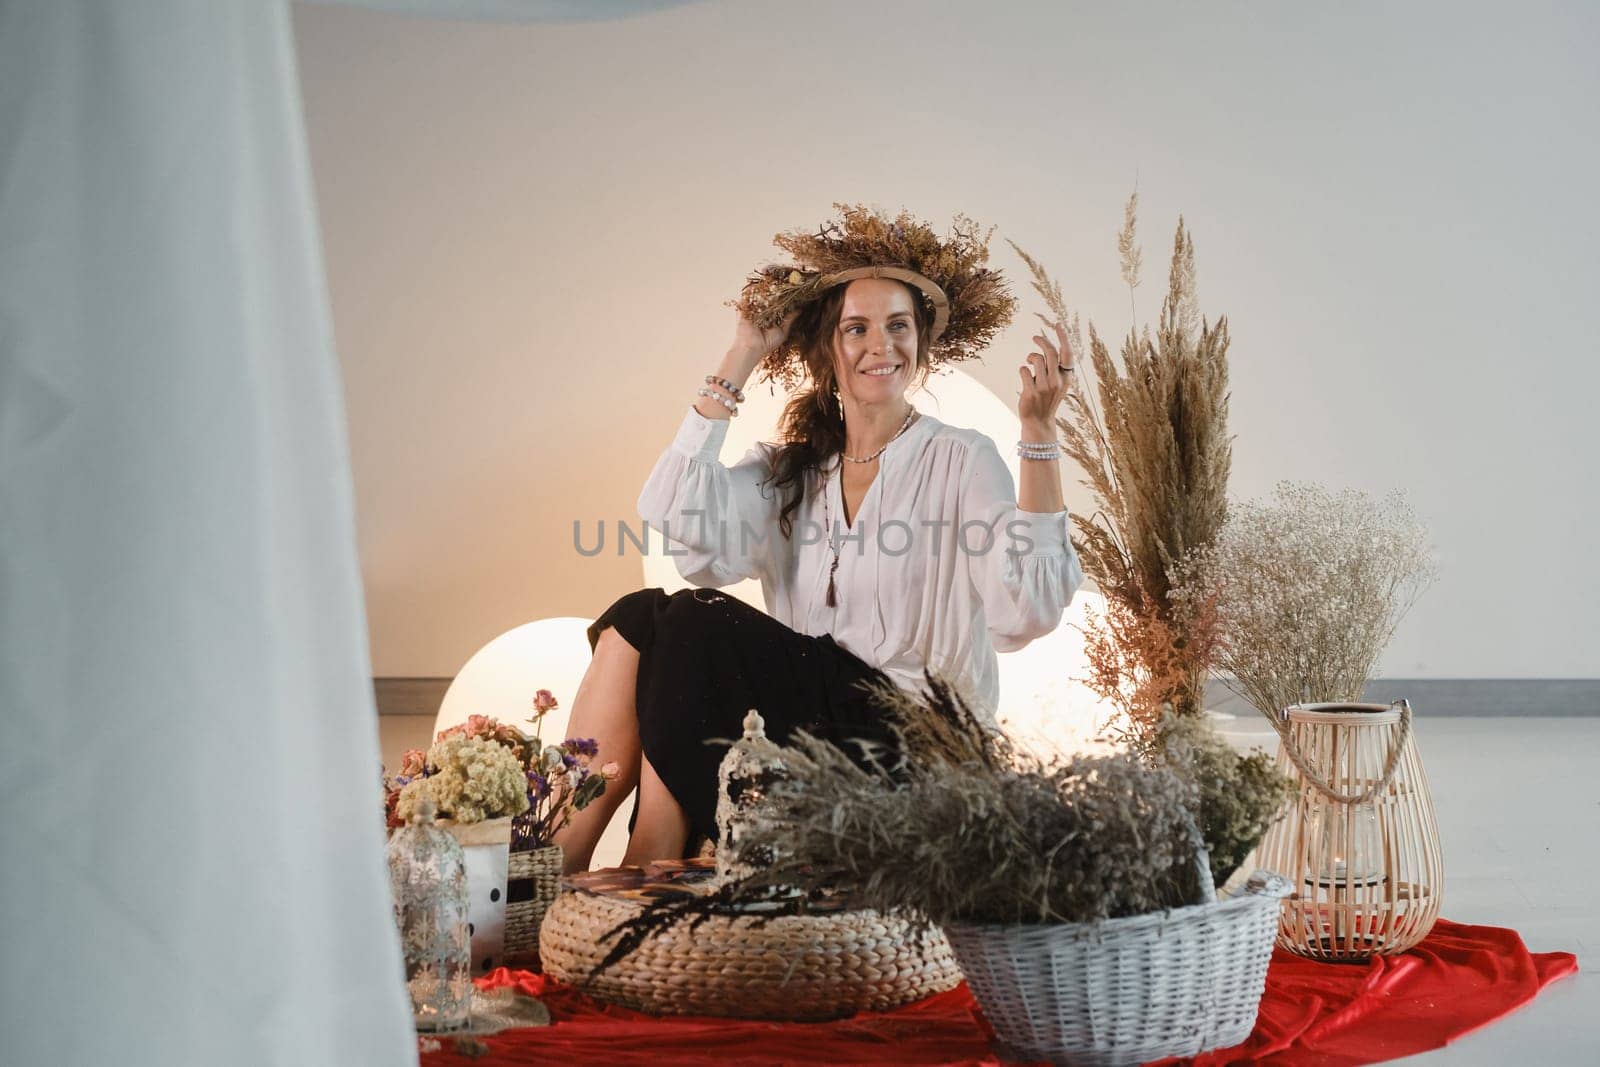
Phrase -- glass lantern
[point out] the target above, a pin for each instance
(427, 873)
(748, 772)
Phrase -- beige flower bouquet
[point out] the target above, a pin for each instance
(1308, 587)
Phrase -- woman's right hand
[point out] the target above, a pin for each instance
(750, 346)
(751, 343)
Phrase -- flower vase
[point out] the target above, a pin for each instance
(486, 847)
(533, 881)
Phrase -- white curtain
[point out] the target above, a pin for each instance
(191, 859)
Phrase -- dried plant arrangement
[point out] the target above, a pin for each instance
(1308, 587)
(1235, 797)
(1151, 436)
(1138, 658)
(968, 827)
(964, 826)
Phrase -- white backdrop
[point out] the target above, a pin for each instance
(531, 231)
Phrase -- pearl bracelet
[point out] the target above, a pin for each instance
(1041, 450)
(733, 409)
(733, 390)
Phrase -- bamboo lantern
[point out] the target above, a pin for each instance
(1360, 843)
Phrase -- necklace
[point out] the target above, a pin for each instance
(911, 413)
(832, 599)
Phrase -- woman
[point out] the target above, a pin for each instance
(885, 541)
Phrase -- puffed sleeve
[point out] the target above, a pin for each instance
(720, 517)
(1028, 573)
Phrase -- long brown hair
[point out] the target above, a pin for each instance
(812, 426)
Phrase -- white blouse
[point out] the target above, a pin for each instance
(939, 567)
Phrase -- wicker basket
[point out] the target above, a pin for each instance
(1125, 991)
(798, 967)
(533, 879)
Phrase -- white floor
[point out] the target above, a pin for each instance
(1518, 802)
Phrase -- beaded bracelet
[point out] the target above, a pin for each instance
(734, 390)
(1040, 450)
(733, 409)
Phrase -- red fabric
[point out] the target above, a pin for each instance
(1337, 1015)
(1313, 1014)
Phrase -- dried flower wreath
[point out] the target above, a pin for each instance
(970, 302)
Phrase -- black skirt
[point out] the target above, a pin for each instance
(707, 658)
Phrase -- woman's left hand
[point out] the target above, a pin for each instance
(1046, 378)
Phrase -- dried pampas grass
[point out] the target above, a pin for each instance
(1151, 438)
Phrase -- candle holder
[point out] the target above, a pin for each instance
(1360, 842)
(429, 880)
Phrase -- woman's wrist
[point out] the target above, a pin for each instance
(711, 409)
(723, 390)
(1038, 433)
(737, 366)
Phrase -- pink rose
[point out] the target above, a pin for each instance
(544, 701)
(391, 810)
(412, 762)
(610, 771)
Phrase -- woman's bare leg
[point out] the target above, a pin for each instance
(604, 710)
(662, 829)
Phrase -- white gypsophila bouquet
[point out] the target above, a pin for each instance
(473, 779)
(1308, 587)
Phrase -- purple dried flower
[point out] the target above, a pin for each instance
(583, 746)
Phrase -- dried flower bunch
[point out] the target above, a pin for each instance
(1156, 454)
(486, 769)
(1235, 797)
(1309, 587)
(561, 781)
(469, 779)
(1138, 658)
(981, 304)
(969, 828)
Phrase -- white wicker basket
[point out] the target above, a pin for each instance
(1125, 991)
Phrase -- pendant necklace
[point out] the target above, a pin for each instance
(910, 414)
(827, 513)
(827, 516)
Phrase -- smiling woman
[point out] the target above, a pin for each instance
(887, 543)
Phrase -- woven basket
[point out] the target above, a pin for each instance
(1125, 991)
(797, 967)
(533, 879)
